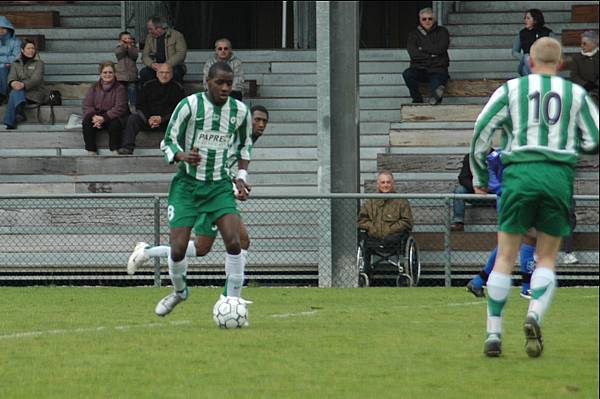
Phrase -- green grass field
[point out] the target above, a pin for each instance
(60, 342)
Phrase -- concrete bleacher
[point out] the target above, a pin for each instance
(42, 158)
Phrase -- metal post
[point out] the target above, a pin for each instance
(283, 23)
(448, 244)
(157, 282)
(324, 139)
(344, 145)
(123, 16)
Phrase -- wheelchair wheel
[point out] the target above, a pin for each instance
(363, 278)
(412, 262)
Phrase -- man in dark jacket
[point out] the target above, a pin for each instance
(427, 46)
(465, 186)
(156, 103)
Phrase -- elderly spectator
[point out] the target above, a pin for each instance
(10, 48)
(386, 219)
(584, 66)
(223, 52)
(126, 68)
(163, 45)
(533, 30)
(104, 107)
(158, 99)
(26, 80)
(427, 46)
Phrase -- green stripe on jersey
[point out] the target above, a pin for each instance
(523, 112)
(567, 101)
(542, 105)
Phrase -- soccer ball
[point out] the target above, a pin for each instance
(230, 312)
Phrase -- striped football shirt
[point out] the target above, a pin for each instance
(543, 118)
(220, 133)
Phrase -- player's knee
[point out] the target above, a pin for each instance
(232, 245)
(177, 255)
(245, 243)
(202, 249)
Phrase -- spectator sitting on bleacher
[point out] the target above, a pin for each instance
(465, 186)
(584, 66)
(386, 220)
(224, 53)
(427, 46)
(126, 68)
(26, 80)
(163, 45)
(104, 107)
(10, 48)
(533, 30)
(157, 101)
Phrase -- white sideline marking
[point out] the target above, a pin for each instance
(92, 329)
(282, 315)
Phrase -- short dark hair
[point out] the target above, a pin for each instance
(25, 42)
(124, 33)
(158, 21)
(218, 66)
(259, 108)
(538, 17)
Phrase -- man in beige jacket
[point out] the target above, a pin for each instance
(163, 45)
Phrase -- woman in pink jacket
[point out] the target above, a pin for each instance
(104, 107)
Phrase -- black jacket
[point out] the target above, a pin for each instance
(528, 37)
(465, 177)
(158, 99)
(429, 50)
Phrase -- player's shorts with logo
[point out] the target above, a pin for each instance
(199, 204)
(536, 194)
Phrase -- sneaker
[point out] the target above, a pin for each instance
(570, 259)
(437, 95)
(525, 294)
(473, 289)
(457, 226)
(125, 151)
(534, 344)
(138, 257)
(168, 303)
(492, 347)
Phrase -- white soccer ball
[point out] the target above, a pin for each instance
(230, 312)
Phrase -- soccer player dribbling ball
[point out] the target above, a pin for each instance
(205, 130)
(549, 121)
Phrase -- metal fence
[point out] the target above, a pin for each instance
(295, 240)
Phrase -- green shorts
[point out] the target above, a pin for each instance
(197, 204)
(536, 194)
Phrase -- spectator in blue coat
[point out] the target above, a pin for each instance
(10, 50)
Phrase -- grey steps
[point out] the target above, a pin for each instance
(77, 9)
(506, 17)
(508, 28)
(499, 41)
(67, 21)
(487, 6)
(61, 33)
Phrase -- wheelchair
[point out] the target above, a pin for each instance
(402, 254)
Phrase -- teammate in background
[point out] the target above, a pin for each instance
(205, 232)
(204, 129)
(527, 250)
(548, 120)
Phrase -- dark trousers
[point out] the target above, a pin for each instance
(135, 123)
(114, 128)
(412, 77)
(147, 74)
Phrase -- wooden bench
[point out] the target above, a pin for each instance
(584, 13)
(38, 40)
(467, 87)
(33, 19)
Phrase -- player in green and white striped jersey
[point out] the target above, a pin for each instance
(548, 121)
(205, 130)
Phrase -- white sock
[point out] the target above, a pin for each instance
(234, 269)
(161, 251)
(177, 271)
(543, 283)
(498, 288)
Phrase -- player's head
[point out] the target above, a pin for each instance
(223, 49)
(545, 53)
(260, 119)
(219, 82)
(385, 182)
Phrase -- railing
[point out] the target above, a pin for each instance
(87, 239)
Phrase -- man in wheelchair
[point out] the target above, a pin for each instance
(384, 231)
